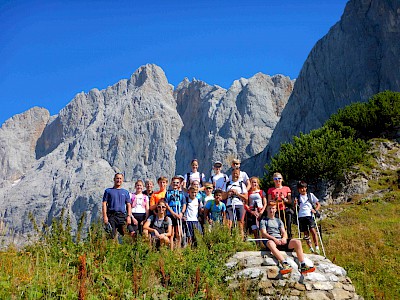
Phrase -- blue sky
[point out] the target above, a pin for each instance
(52, 50)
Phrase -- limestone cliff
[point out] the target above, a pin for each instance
(359, 57)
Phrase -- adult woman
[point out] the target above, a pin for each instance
(194, 175)
(282, 195)
(159, 226)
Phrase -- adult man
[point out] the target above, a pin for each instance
(116, 207)
(219, 179)
(236, 194)
(273, 229)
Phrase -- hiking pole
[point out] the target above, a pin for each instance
(319, 235)
(297, 216)
(234, 215)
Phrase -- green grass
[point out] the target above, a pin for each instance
(97, 268)
(364, 239)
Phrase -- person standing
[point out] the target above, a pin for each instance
(282, 195)
(218, 179)
(116, 207)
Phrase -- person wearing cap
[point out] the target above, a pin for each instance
(218, 179)
(243, 175)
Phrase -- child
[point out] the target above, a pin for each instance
(160, 194)
(191, 215)
(308, 205)
(256, 206)
(272, 228)
(215, 209)
(140, 209)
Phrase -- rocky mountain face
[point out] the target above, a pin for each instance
(140, 127)
(223, 124)
(359, 57)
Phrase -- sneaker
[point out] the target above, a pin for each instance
(286, 268)
(317, 250)
(306, 269)
(312, 250)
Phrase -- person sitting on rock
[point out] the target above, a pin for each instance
(273, 229)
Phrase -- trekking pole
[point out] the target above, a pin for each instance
(319, 235)
(234, 215)
(297, 217)
(283, 211)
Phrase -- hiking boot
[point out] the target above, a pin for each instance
(286, 268)
(304, 269)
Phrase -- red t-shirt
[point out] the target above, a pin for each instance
(279, 193)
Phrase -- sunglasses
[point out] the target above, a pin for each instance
(277, 178)
(160, 206)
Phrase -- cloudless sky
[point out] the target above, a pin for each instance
(52, 50)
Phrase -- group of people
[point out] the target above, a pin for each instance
(172, 215)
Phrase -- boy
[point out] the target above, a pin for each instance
(160, 194)
(176, 205)
(215, 209)
(273, 229)
(116, 207)
(191, 214)
(308, 205)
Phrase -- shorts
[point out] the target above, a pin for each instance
(117, 220)
(237, 215)
(285, 247)
(305, 223)
(137, 228)
(191, 226)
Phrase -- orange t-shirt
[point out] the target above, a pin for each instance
(279, 193)
(156, 197)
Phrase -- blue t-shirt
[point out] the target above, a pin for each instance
(116, 199)
(215, 210)
(176, 200)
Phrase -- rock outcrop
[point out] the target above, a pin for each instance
(359, 57)
(223, 124)
(328, 281)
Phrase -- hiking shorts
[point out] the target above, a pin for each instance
(117, 221)
(285, 247)
(238, 214)
(305, 223)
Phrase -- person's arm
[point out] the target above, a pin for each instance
(153, 203)
(283, 235)
(147, 210)
(264, 202)
(129, 210)
(104, 210)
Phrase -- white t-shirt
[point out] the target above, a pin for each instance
(242, 177)
(255, 198)
(195, 176)
(305, 205)
(238, 186)
(139, 203)
(192, 209)
(220, 180)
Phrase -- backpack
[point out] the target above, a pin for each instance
(229, 183)
(145, 200)
(164, 226)
(188, 179)
(212, 179)
(317, 213)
